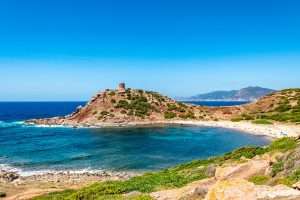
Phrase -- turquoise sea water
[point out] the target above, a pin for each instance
(33, 149)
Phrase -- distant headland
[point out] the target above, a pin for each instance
(247, 94)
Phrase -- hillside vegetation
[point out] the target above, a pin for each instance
(282, 106)
(285, 169)
(131, 105)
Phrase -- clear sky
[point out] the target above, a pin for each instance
(69, 49)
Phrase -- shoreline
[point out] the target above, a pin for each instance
(17, 186)
(274, 131)
(270, 131)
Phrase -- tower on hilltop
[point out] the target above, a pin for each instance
(121, 88)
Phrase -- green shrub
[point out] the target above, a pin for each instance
(171, 107)
(113, 101)
(283, 108)
(130, 113)
(182, 105)
(169, 115)
(103, 113)
(261, 121)
(189, 115)
(112, 93)
(236, 119)
(295, 176)
(123, 104)
(259, 179)
(283, 144)
(2, 194)
(247, 117)
(276, 168)
(247, 152)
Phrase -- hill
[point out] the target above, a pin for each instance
(117, 106)
(244, 94)
(283, 106)
(131, 106)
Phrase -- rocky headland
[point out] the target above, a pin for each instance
(275, 115)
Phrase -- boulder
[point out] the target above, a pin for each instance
(297, 185)
(132, 194)
(278, 192)
(195, 190)
(6, 177)
(244, 170)
(240, 189)
(234, 189)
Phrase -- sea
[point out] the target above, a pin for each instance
(29, 149)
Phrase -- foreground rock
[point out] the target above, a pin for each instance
(195, 190)
(239, 189)
(244, 170)
(26, 187)
(6, 177)
(199, 189)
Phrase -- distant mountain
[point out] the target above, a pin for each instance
(244, 94)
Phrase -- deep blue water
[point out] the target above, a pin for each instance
(217, 103)
(36, 148)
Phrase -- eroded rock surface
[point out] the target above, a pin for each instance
(244, 170)
(240, 189)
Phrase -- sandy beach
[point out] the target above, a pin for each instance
(275, 130)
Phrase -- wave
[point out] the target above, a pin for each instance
(24, 173)
(4, 124)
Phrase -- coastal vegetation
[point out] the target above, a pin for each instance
(282, 106)
(126, 105)
(181, 175)
(261, 121)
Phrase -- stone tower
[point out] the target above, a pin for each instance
(121, 88)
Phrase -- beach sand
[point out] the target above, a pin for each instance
(276, 130)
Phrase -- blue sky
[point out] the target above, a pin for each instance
(69, 49)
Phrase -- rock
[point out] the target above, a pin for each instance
(278, 192)
(210, 171)
(132, 194)
(240, 189)
(7, 177)
(244, 170)
(195, 190)
(291, 161)
(296, 185)
(234, 189)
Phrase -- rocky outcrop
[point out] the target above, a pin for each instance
(240, 189)
(195, 190)
(244, 170)
(199, 189)
(7, 177)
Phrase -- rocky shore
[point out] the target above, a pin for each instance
(20, 187)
